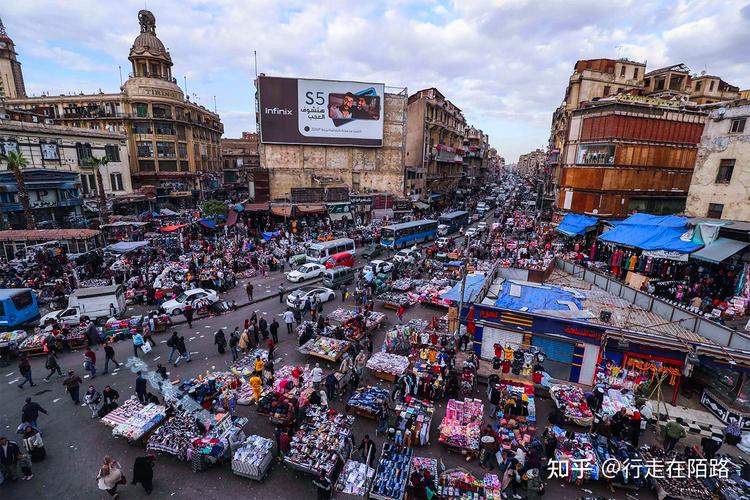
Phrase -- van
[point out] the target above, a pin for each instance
(338, 276)
(95, 303)
(340, 259)
(17, 307)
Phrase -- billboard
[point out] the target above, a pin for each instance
(320, 112)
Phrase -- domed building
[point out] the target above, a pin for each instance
(174, 144)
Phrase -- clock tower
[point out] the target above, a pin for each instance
(11, 76)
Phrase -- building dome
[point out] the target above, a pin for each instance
(147, 43)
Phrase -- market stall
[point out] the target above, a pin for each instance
(354, 480)
(415, 416)
(572, 403)
(10, 341)
(392, 473)
(326, 348)
(459, 430)
(368, 401)
(387, 366)
(519, 401)
(217, 444)
(427, 467)
(140, 422)
(176, 436)
(253, 458)
(579, 459)
(459, 483)
(321, 442)
(686, 487)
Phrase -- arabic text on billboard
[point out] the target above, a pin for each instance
(323, 112)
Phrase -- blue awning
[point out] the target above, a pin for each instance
(126, 246)
(268, 235)
(208, 223)
(472, 287)
(436, 196)
(650, 232)
(576, 225)
(518, 296)
(719, 250)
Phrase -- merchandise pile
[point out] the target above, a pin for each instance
(615, 400)
(140, 422)
(518, 393)
(392, 473)
(326, 348)
(460, 484)
(253, 457)
(368, 400)
(461, 425)
(682, 487)
(581, 450)
(175, 436)
(320, 440)
(122, 413)
(571, 401)
(354, 478)
(427, 467)
(392, 364)
(13, 338)
(415, 415)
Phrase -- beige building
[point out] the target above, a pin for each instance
(360, 169)
(436, 129)
(11, 77)
(676, 82)
(720, 187)
(172, 142)
(531, 165)
(476, 156)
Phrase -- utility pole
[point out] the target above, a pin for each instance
(463, 288)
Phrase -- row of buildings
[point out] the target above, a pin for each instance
(665, 141)
(164, 149)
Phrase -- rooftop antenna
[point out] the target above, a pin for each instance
(255, 55)
(184, 78)
(215, 105)
(120, 69)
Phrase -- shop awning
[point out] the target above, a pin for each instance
(420, 205)
(282, 211)
(126, 246)
(257, 207)
(719, 250)
(172, 228)
(270, 234)
(474, 283)
(651, 232)
(311, 209)
(167, 212)
(576, 225)
(232, 218)
(208, 223)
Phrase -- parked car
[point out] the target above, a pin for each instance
(406, 256)
(340, 259)
(379, 266)
(443, 242)
(372, 251)
(482, 227)
(305, 272)
(176, 306)
(297, 298)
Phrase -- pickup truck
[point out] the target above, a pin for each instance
(96, 303)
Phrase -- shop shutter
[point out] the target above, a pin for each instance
(556, 350)
(492, 336)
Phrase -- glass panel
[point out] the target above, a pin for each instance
(596, 154)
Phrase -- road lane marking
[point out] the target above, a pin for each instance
(157, 358)
(56, 400)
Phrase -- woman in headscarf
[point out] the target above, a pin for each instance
(34, 445)
(110, 476)
(143, 472)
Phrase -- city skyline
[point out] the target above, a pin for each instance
(503, 64)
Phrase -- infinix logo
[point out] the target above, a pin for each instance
(278, 111)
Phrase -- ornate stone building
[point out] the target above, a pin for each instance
(11, 77)
(173, 143)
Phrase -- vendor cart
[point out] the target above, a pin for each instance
(254, 458)
(354, 480)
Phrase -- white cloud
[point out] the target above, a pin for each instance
(505, 63)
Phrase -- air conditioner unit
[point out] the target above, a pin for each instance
(49, 121)
(605, 316)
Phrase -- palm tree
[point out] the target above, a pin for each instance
(98, 163)
(16, 161)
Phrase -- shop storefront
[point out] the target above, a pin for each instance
(725, 391)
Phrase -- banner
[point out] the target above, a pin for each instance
(320, 112)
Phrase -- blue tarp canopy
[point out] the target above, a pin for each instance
(652, 232)
(535, 298)
(208, 223)
(270, 234)
(474, 283)
(576, 225)
(126, 246)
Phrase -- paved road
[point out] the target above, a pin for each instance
(76, 444)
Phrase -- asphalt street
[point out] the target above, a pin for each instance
(76, 444)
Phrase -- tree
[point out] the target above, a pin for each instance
(98, 163)
(214, 207)
(16, 161)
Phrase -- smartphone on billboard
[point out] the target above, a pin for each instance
(343, 108)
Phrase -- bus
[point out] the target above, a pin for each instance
(319, 252)
(18, 306)
(452, 222)
(408, 233)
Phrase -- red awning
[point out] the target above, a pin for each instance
(232, 218)
(173, 227)
(256, 207)
(282, 211)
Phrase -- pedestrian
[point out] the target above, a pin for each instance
(162, 371)
(297, 316)
(285, 444)
(140, 387)
(344, 293)
(323, 484)
(93, 400)
(52, 365)
(25, 368)
(182, 349)
(249, 290)
(73, 386)
(511, 479)
(32, 441)
(172, 342)
(110, 476)
(109, 355)
(109, 399)
(234, 340)
(673, 432)
(148, 334)
(710, 446)
(275, 331)
(634, 428)
(11, 459)
(143, 472)
(534, 485)
(282, 291)
(331, 385)
(189, 315)
(30, 413)
(244, 340)
(263, 325)
(400, 314)
(316, 376)
(220, 341)
(288, 320)
(256, 383)
(137, 343)
(89, 361)
(368, 449)
(368, 343)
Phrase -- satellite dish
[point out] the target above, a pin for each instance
(595, 211)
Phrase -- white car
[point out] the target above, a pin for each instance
(442, 242)
(482, 226)
(406, 256)
(379, 266)
(305, 272)
(176, 306)
(471, 232)
(297, 298)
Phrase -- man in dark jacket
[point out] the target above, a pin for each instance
(143, 472)
(30, 412)
(323, 484)
(10, 455)
(234, 340)
(331, 384)
(109, 355)
(275, 331)
(368, 449)
(263, 324)
(52, 365)
(182, 349)
(73, 386)
(25, 368)
(140, 387)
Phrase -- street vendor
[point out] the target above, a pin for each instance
(256, 383)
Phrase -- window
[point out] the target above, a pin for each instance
(8, 147)
(50, 151)
(622, 71)
(596, 154)
(738, 126)
(164, 128)
(22, 300)
(84, 153)
(145, 149)
(167, 166)
(146, 165)
(88, 183)
(724, 175)
(181, 132)
(606, 90)
(112, 152)
(142, 128)
(698, 86)
(715, 210)
(165, 149)
(635, 73)
(162, 111)
(711, 86)
(141, 110)
(115, 181)
(183, 149)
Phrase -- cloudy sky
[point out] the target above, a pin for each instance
(505, 63)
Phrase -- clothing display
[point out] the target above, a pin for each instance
(519, 401)
(581, 449)
(388, 363)
(460, 426)
(355, 478)
(571, 401)
(123, 413)
(326, 348)
(427, 467)
(253, 458)
(140, 422)
(460, 484)
(414, 415)
(392, 473)
(175, 437)
(321, 439)
(368, 400)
